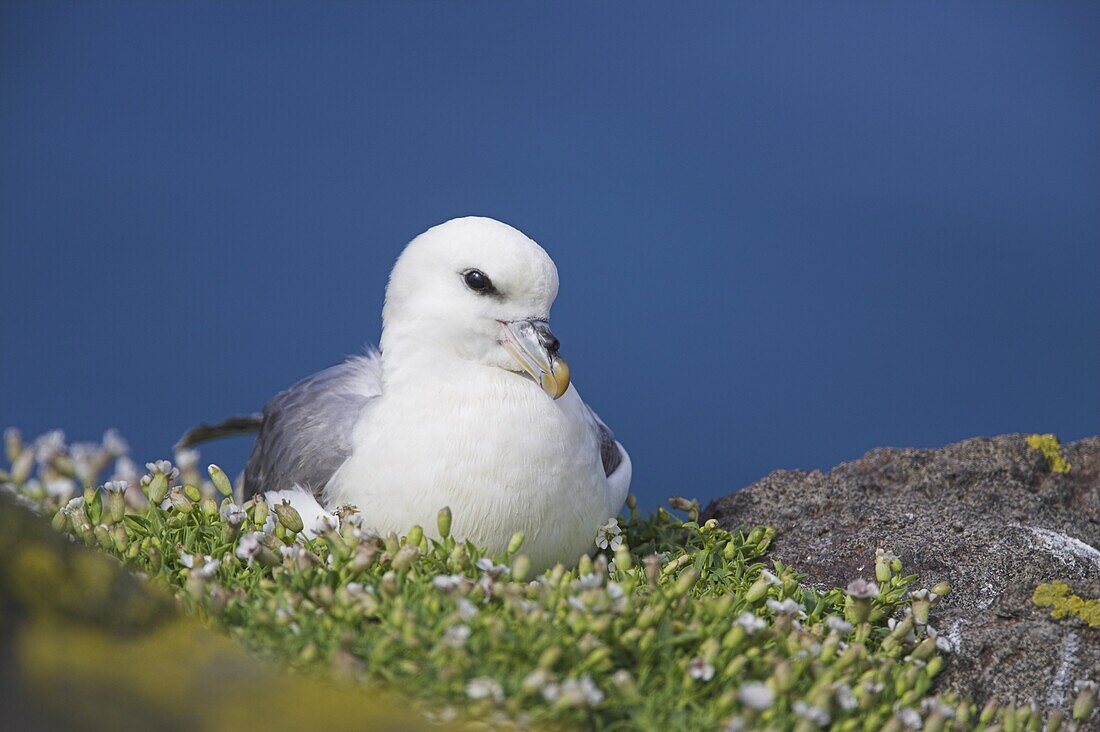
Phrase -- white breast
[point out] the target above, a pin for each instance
(495, 449)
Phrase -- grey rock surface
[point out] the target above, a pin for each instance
(988, 516)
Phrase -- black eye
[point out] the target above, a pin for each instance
(477, 281)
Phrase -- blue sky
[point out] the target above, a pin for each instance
(786, 233)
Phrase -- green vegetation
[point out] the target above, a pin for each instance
(674, 624)
(1062, 602)
(1052, 451)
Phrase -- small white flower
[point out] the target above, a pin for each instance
(537, 680)
(622, 677)
(580, 692)
(609, 535)
(588, 582)
(943, 643)
(163, 466)
(187, 458)
(756, 695)
(700, 670)
(910, 718)
(770, 578)
(48, 445)
(249, 546)
(934, 705)
(484, 687)
(787, 607)
(187, 560)
(750, 622)
(615, 591)
(486, 565)
(75, 503)
(734, 724)
(814, 715)
(861, 589)
(551, 692)
(840, 625)
(233, 514)
(207, 569)
(59, 487)
(85, 455)
(447, 582)
(126, 470)
(577, 604)
(115, 444)
(325, 523)
(116, 486)
(456, 636)
(466, 609)
(845, 698)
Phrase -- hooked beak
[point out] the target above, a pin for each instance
(535, 349)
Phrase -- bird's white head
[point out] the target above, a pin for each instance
(478, 290)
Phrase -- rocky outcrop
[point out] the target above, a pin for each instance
(994, 517)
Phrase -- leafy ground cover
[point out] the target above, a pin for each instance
(673, 624)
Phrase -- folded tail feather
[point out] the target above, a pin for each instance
(239, 425)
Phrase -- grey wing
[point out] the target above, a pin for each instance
(610, 454)
(306, 432)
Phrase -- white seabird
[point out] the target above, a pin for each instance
(468, 405)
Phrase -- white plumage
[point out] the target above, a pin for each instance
(467, 405)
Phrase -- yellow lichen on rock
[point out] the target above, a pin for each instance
(1063, 603)
(1052, 450)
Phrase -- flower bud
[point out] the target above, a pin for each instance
(623, 560)
(13, 444)
(1085, 702)
(521, 568)
(652, 569)
(405, 557)
(21, 466)
(93, 505)
(260, 510)
(116, 507)
(883, 560)
(220, 480)
(935, 665)
(443, 522)
(988, 711)
(549, 657)
(180, 502)
(120, 537)
(157, 489)
(60, 521)
(289, 517)
(758, 590)
(942, 589)
(685, 582)
(209, 507)
(515, 542)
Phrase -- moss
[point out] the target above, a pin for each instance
(1063, 603)
(1052, 450)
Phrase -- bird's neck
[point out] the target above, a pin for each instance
(413, 362)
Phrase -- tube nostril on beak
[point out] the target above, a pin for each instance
(548, 340)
